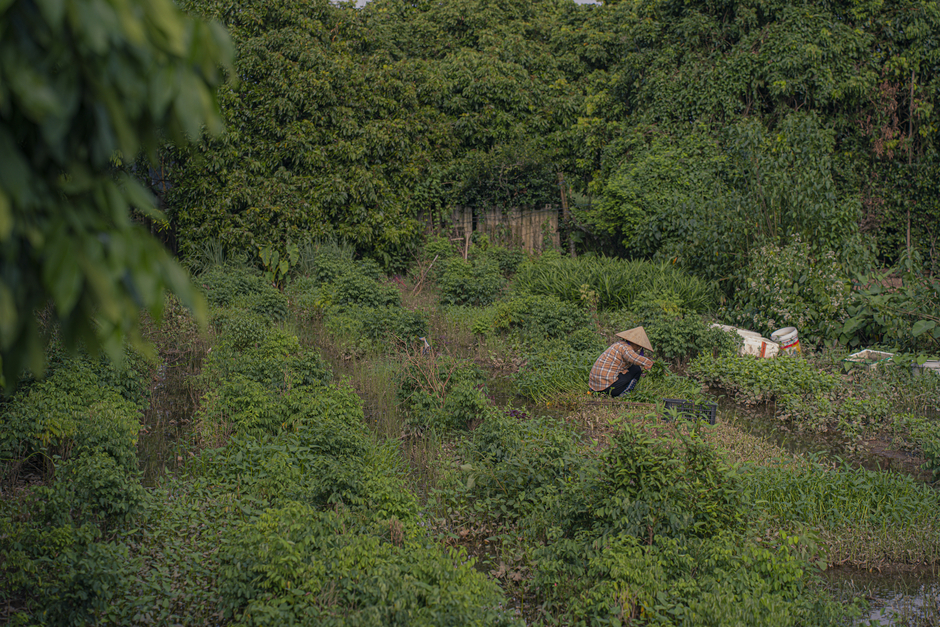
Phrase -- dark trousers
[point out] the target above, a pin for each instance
(624, 380)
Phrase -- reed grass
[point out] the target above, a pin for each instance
(617, 283)
(865, 518)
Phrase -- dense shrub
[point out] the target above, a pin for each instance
(69, 413)
(277, 361)
(326, 457)
(93, 488)
(508, 259)
(269, 303)
(240, 329)
(539, 316)
(788, 286)
(515, 466)
(58, 574)
(237, 405)
(463, 282)
(368, 328)
(356, 290)
(223, 285)
(677, 337)
(298, 565)
(615, 283)
(657, 517)
(442, 392)
(755, 380)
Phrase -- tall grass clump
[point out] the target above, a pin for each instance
(617, 283)
(866, 518)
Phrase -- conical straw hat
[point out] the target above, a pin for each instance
(638, 336)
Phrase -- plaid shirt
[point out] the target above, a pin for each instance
(616, 359)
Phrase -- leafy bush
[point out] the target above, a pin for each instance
(298, 565)
(657, 517)
(677, 337)
(539, 316)
(364, 328)
(514, 466)
(223, 285)
(465, 282)
(94, 488)
(59, 574)
(240, 329)
(326, 458)
(906, 318)
(617, 284)
(356, 290)
(508, 259)
(69, 413)
(755, 380)
(442, 392)
(277, 362)
(789, 286)
(269, 303)
(237, 405)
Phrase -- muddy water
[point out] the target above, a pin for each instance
(896, 598)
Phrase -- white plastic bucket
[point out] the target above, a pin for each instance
(788, 339)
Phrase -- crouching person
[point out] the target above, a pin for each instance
(619, 368)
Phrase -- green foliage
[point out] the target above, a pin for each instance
(83, 89)
(70, 413)
(677, 337)
(94, 487)
(657, 517)
(537, 316)
(59, 575)
(905, 318)
(276, 361)
(240, 329)
(618, 284)
(297, 565)
(442, 392)
(786, 286)
(815, 494)
(508, 259)
(754, 380)
(325, 459)
(224, 285)
(476, 282)
(553, 370)
(514, 467)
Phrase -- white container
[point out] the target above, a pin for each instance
(788, 338)
(932, 365)
(754, 344)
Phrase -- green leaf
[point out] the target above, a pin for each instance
(922, 326)
(6, 217)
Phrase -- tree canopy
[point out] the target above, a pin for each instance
(681, 122)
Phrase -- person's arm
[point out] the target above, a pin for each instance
(634, 357)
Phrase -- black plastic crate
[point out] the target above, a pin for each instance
(692, 411)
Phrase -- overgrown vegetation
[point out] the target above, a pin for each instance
(386, 423)
(296, 503)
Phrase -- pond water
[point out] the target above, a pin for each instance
(893, 598)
